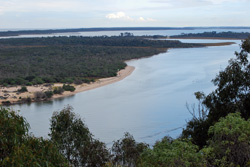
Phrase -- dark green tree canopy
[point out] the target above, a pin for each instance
(75, 141)
(18, 148)
(232, 94)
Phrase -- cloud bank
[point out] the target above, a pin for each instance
(124, 17)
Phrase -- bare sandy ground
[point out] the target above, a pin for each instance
(11, 94)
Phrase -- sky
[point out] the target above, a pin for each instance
(42, 14)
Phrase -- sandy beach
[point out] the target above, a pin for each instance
(11, 93)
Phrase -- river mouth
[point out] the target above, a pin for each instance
(149, 104)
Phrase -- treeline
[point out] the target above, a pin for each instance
(30, 61)
(214, 34)
(51, 31)
(115, 41)
(218, 135)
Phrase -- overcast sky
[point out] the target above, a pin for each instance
(122, 13)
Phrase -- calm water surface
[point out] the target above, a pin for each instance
(136, 33)
(150, 103)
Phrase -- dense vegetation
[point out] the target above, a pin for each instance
(18, 148)
(214, 34)
(218, 135)
(30, 61)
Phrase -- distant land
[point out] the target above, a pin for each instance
(51, 31)
(213, 35)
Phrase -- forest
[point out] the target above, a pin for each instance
(218, 135)
(31, 61)
(214, 34)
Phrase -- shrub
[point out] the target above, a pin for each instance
(58, 90)
(37, 80)
(23, 89)
(229, 145)
(28, 84)
(69, 88)
(39, 95)
(172, 153)
(48, 94)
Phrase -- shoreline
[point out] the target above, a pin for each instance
(215, 38)
(212, 38)
(99, 83)
(217, 44)
(14, 96)
(10, 95)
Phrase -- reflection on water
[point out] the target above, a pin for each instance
(150, 103)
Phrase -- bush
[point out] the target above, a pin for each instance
(6, 102)
(174, 153)
(37, 80)
(28, 99)
(58, 90)
(28, 84)
(229, 145)
(69, 88)
(23, 89)
(5, 84)
(39, 95)
(49, 94)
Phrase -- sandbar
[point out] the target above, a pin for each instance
(11, 95)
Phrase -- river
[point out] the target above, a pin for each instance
(149, 104)
(136, 33)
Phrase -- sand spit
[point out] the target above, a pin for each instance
(12, 96)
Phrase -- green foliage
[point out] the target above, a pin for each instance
(58, 90)
(28, 99)
(70, 134)
(37, 80)
(196, 131)
(172, 153)
(231, 95)
(23, 89)
(67, 80)
(35, 152)
(49, 94)
(233, 86)
(68, 88)
(17, 148)
(74, 140)
(28, 84)
(126, 151)
(196, 128)
(13, 129)
(61, 59)
(230, 142)
(95, 154)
